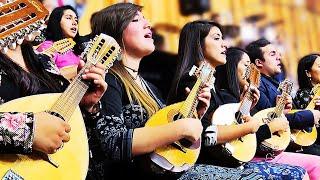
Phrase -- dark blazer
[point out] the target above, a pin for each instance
(268, 94)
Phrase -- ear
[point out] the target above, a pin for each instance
(258, 63)
(308, 73)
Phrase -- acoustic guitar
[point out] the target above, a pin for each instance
(244, 148)
(280, 140)
(305, 137)
(61, 46)
(71, 162)
(180, 156)
(20, 20)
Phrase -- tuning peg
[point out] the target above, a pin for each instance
(12, 45)
(193, 70)
(36, 33)
(29, 37)
(20, 41)
(4, 49)
(2, 43)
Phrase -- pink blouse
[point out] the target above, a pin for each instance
(61, 60)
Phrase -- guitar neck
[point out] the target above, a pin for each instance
(280, 105)
(246, 103)
(190, 104)
(70, 99)
(49, 51)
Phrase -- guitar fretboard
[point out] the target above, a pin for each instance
(71, 98)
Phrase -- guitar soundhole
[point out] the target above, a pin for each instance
(238, 117)
(276, 134)
(177, 116)
(186, 143)
(271, 116)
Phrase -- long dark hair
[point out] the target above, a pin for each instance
(190, 52)
(231, 83)
(304, 65)
(116, 18)
(29, 82)
(113, 20)
(54, 31)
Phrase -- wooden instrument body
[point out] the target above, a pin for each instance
(303, 137)
(73, 158)
(279, 141)
(242, 149)
(175, 159)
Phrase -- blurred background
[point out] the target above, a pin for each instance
(294, 25)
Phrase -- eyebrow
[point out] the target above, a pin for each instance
(70, 15)
(217, 34)
(273, 51)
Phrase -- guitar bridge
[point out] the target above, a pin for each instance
(11, 175)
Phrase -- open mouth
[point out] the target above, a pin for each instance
(74, 30)
(224, 52)
(148, 36)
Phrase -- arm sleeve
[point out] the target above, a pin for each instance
(263, 133)
(16, 132)
(300, 119)
(115, 137)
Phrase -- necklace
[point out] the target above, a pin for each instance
(134, 71)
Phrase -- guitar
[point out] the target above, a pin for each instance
(61, 46)
(303, 137)
(280, 140)
(71, 162)
(242, 149)
(180, 156)
(20, 20)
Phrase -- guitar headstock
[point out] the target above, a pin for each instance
(19, 20)
(203, 72)
(286, 86)
(254, 75)
(63, 45)
(103, 49)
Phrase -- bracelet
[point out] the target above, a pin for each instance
(210, 136)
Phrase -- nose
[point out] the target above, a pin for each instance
(74, 22)
(147, 24)
(279, 56)
(224, 44)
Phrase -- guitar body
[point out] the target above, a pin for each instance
(73, 158)
(242, 150)
(169, 157)
(278, 142)
(303, 137)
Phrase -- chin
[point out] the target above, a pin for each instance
(148, 51)
(222, 61)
